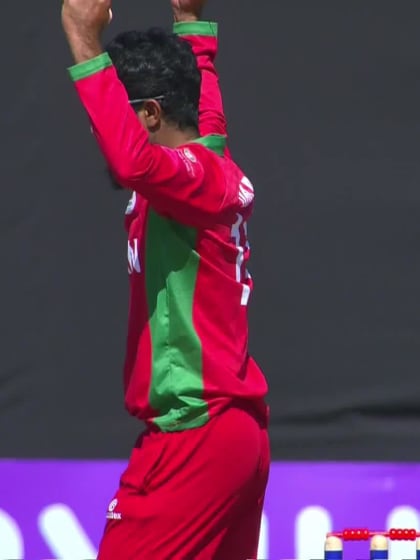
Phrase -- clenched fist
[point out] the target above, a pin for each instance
(86, 16)
(187, 10)
(83, 22)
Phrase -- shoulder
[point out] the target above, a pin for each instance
(238, 182)
(197, 158)
(218, 169)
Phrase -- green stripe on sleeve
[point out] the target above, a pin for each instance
(90, 67)
(189, 28)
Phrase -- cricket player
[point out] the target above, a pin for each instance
(195, 484)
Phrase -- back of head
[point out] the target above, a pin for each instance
(154, 64)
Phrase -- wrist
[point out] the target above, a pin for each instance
(183, 17)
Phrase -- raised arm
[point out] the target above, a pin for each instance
(203, 37)
(182, 183)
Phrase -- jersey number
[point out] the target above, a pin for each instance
(240, 235)
(133, 256)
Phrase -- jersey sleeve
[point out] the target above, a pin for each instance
(203, 37)
(185, 184)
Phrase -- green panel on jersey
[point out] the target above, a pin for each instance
(214, 142)
(171, 271)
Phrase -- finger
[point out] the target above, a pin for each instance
(110, 15)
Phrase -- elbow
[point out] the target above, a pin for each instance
(124, 175)
(129, 162)
(129, 173)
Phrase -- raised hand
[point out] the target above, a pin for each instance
(86, 16)
(83, 22)
(187, 10)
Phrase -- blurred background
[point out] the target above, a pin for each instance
(324, 117)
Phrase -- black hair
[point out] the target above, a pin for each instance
(155, 63)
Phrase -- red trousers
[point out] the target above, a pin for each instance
(193, 495)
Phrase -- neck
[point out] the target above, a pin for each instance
(173, 137)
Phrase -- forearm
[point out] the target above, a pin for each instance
(84, 39)
(203, 37)
(83, 48)
(121, 138)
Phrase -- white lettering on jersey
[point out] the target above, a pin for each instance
(189, 155)
(131, 204)
(246, 192)
(111, 513)
(189, 160)
(133, 256)
(239, 234)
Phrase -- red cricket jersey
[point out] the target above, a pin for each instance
(187, 350)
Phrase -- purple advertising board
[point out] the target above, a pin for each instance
(56, 509)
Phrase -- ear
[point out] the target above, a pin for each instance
(152, 112)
